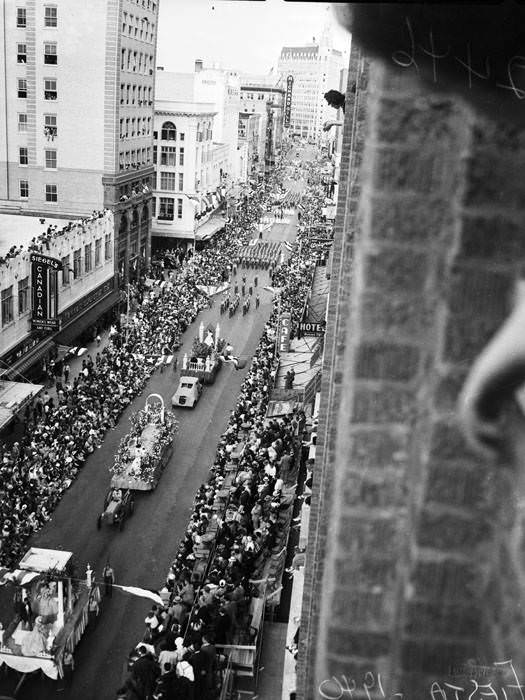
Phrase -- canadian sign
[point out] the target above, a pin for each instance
(44, 292)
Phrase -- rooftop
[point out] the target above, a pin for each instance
(17, 229)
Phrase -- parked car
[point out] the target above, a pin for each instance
(188, 392)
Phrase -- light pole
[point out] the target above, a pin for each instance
(194, 201)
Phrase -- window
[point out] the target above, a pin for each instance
(22, 122)
(169, 132)
(166, 209)
(167, 181)
(107, 247)
(23, 296)
(50, 89)
(51, 159)
(50, 53)
(87, 258)
(50, 16)
(154, 154)
(98, 250)
(22, 155)
(21, 17)
(181, 182)
(7, 305)
(181, 136)
(50, 125)
(21, 53)
(65, 271)
(154, 206)
(51, 193)
(22, 87)
(179, 208)
(76, 264)
(24, 189)
(181, 156)
(168, 155)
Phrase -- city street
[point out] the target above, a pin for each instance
(141, 554)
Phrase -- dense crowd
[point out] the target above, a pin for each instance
(180, 653)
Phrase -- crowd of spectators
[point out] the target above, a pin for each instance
(40, 244)
(204, 609)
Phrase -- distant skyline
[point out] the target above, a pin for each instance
(240, 34)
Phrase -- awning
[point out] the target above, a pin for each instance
(207, 230)
(25, 363)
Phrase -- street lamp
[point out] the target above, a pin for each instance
(195, 202)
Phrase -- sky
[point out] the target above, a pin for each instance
(246, 35)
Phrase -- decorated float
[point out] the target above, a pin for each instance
(204, 361)
(50, 612)
(144, 452)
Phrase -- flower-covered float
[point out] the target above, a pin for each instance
(204, 361)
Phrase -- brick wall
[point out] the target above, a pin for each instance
(414, 562)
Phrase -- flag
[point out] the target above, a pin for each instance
(142, 593)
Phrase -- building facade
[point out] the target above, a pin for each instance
(86, 288)
(77, 81)
(249, 130)
(315, 68)
(190, 174)
(260, 95)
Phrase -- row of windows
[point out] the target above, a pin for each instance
(135, 126)
(168, 155)
(50, 88)
(136, 61)
(88, 259)
(249, 96)
(134, 158)
(138, 27)
(50, 157)
(50, 124)
(51, 191)
(136, 94)
(168, 180)
(50, 53)
(168, 133)
(167, 208)
(8, 301)
(50, 16)
(146, 4)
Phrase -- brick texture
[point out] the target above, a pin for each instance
(416, 553)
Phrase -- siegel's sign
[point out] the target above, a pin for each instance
(288, 100)
(44, 294)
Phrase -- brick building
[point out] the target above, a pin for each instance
(414, 567)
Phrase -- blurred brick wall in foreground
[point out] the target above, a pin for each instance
(415, 559)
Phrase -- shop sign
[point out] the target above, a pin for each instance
(288, 100)
(44, 292)
(314, 329)
(284, 332)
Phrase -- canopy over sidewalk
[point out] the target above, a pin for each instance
(14, 396)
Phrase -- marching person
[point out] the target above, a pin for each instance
(108, 576)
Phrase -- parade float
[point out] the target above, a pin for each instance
(50, 612)
(204, 361)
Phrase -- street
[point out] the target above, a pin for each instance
(141, 554)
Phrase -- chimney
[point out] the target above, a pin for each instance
(198, 65)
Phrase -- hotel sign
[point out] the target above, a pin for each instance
(44, 292)
(313, 329)
(288, 100)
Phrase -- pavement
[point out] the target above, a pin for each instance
(141, 554)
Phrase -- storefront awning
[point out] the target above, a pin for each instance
(14, 396)
(17, 370)
(210, 228)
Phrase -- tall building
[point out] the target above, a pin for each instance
(190, 170)
(77, 81)
(315, 68)
(261, 95)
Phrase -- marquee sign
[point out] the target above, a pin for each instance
(309, 328)
(44, 292)
(284, 331)
(288, 100)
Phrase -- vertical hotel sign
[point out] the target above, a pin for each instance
(284, 332)
(288, 100)
(44, 292)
